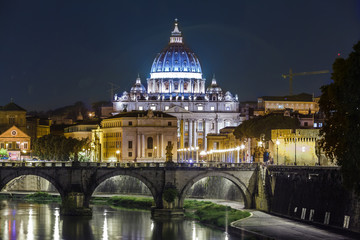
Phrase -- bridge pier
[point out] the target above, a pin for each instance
(73, 204)
(169, 207)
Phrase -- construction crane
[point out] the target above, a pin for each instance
(113, 88)
(291, 74)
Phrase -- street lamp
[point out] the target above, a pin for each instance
(277, 152)
(117, 154)
(203, 154)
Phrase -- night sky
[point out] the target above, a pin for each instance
(54, 53)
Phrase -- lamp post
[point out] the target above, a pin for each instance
(277, 152)
(295, 149)
(242, 151)
(202, 154)
(238, 154)
(197, 154)
(154, 152)
(117, 155)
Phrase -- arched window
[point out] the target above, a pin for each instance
(150, 142)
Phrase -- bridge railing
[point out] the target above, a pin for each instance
(127, 164)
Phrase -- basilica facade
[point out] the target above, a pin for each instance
(177, 87)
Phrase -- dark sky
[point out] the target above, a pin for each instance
(54, 53)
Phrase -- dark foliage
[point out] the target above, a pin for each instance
(60, 148)
(340, 101)
(253, 128)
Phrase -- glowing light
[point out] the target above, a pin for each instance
(277, 142)
(56, 235)
(242, 146)
(176, 75)
(203, 153)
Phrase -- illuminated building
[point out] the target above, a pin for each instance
(16, 142)
(177, 87)
(301, 103)
(297, 145)
(12, 115)
(81, 130)
(135, 135)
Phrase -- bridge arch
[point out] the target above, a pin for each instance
(103, 177)
(27, 172)
(246, 194)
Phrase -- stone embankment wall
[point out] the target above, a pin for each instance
(313, 194)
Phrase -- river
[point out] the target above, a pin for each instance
(30, 221)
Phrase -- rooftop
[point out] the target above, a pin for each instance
(302, 97)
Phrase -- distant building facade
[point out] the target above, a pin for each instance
(302, 103)
(12, 115)
(297, 145)
(177, 87)
(135, 136)
(16, 142)
(81, 130)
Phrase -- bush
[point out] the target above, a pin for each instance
(131, 202)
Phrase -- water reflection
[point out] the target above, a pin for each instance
(21, 220)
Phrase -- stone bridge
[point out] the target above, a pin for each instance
(77, 181)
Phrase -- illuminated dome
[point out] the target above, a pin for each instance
(176, 60)
(138, 87)
(214, 87)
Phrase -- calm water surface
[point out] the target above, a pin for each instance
(26, 221)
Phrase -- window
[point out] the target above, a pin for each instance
(305, 124)
(12, 120)
(200, 126)
(212, 126)
(141, 108)
(130, 154)
(186, 108)
(9, 145)
(169, 123)
(200, 108)
(166, 108)
(149, 154)
(130, 144)
(227, 108)
(2, 145)
(169, 143)
(17, 145)
(150, 142)
(186, 126)
(130, 123)
(320, 124)
(153, 108)
(212, 108)
(315, 125)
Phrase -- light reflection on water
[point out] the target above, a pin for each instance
(20, 220)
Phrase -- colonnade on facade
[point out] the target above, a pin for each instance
(168, 86)
(158, 146)
(190, 137)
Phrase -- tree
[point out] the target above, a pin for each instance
(340, 101)
(253, 128)
(55, 147)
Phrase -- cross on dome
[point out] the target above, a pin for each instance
(213, 81)
(138, 80)
(176, 36)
